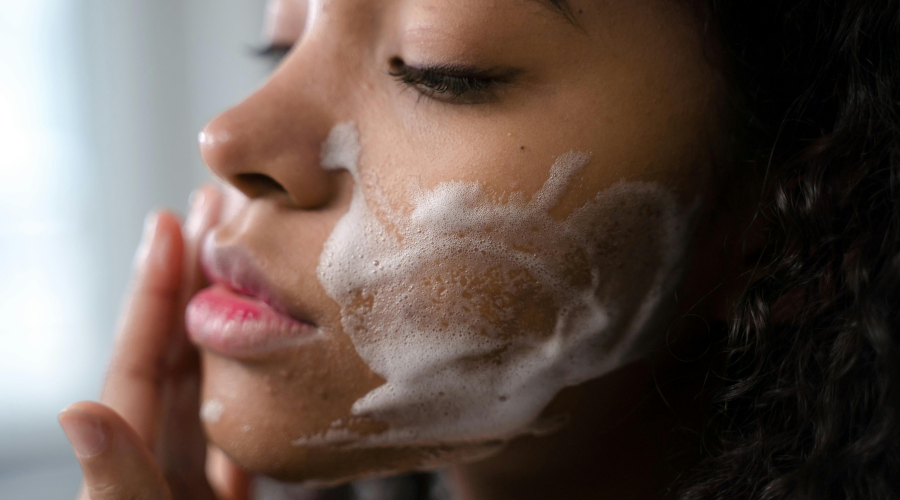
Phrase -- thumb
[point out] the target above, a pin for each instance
(116, 463)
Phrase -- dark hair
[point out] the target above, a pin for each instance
(812, 405)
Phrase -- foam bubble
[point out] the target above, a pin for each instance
(211, 411)
(477, 311)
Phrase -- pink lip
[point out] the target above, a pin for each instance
(239, 316)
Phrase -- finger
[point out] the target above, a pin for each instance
(229, 481)
(116, 463)
(205, 206)
(137, 369)
(181, 447)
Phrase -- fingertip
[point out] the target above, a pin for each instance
(161, 245)
(204, 206)
(113, 425)
(91, 407)
(169, 223)
(215, 199)
(208, 191)
(115, 462)
(87, 432)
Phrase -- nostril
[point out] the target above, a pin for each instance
(257, 185)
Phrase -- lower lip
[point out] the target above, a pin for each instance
(241, 327)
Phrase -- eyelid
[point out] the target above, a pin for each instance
(459, 70)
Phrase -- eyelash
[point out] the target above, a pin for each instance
(451, 84)
(274, 52)
(446, 83)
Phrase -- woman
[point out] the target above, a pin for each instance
(503, 237)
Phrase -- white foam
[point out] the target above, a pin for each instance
(211, 411)
(329, 437)
(477, 309)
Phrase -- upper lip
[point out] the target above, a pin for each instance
(234, 267)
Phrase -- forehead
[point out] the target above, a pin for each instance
(560, 10)
(581, 17)
(460, 21)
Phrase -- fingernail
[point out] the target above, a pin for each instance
(154, 247)
(196, 211)
(150, 223)
(197, 199)
(84, 431)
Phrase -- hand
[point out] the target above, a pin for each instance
(145, 440)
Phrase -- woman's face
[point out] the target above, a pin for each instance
(446, 212)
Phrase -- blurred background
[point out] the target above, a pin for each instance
(100, 105)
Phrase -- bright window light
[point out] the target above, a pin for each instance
(48, 288)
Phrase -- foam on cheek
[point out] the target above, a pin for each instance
(478, 312)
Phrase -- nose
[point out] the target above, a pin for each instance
(269, 146)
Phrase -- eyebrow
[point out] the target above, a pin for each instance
(560, 7)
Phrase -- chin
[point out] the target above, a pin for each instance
(266, 417)
(262, 451)
(325, 466)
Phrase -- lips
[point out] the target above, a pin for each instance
(240, 315)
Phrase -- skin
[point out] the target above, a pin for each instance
(630, 81)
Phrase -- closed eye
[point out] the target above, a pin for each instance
(274, 52)
(448, 83)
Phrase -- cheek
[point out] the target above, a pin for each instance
(477, 309)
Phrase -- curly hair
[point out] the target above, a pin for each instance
(811, 409)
